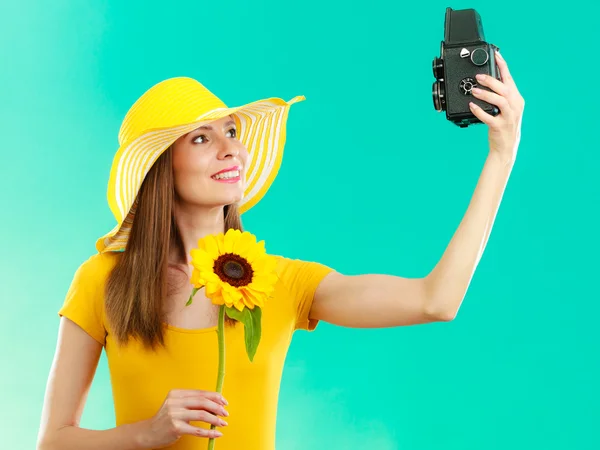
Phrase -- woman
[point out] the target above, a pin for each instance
(187, 167)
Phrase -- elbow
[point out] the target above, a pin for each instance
(43, 444)
(436, 309)
(446, 316)
(47, 441)
(435, 313)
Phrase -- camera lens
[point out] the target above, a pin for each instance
(438, 68)
(439, 96)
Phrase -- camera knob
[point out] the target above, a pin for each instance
(467, 85)
(438, 68)
(479, 56)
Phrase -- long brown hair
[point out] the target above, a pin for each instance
(139, 283)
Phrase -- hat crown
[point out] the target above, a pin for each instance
(171, 102)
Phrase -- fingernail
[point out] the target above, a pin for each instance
(223, 423)
(473, 105)
(476, 90)
(499, 55)
(218, 434)
(480, 76)
(224, 401)
(225, 413)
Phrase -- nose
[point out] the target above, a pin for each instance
(228, 148)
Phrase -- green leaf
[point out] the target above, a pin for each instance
(251, 318)
(189, 302)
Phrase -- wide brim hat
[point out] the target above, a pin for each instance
(171, 109)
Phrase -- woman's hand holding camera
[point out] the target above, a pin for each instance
(505, 128)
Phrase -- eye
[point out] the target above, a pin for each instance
(202, 136)
(233, 133)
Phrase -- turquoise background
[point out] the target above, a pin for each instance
(373, 180)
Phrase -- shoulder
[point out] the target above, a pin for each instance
(298, 281)
(100, 263)
(289, 264)
(96, 268)
(300, 273)
(84, 301)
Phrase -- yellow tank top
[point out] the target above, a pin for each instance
(141, 379)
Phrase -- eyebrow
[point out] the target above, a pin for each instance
(210, 128)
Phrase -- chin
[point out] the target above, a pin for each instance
(229, 200)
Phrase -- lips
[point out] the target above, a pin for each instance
(226, 170)
(230, 175)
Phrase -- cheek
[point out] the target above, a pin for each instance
(243, 155)
(189, 172)
(190, 163)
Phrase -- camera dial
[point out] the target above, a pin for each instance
(467, 85)
(479, 56)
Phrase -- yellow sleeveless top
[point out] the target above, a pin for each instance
(141, 378)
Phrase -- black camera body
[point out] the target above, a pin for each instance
(464, 53)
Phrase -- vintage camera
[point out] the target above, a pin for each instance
(464, 53)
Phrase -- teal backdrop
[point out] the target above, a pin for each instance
(373, 181)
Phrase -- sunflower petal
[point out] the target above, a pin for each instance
(257, 251)
(226, 298)
(258, 265)
(197, 279)
(233, 291)
(217, 299)
(239, 305)
(263, 283)
(249, 304)
(220, 241)
(202, 260)
(270, 264)
(230, 240)
(210, 276)
(254, 297)
(212, 288)
(265, 264)
(246, 241)
(202, 244)
(212, 247)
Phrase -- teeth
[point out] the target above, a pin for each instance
(227, 175)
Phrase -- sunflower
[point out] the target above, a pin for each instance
(236, 270)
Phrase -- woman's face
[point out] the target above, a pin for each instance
(209, 165)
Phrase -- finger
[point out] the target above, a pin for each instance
(486, 118)
(493, 99)
(515, 100)
(202, 416)
(504, 72)
(495, 85)
(203, 404)
(214, 396)
(185, 428)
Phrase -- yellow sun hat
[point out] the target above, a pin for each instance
(175, 107)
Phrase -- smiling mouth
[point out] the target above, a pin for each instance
(230, 175)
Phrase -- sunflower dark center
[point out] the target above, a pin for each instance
(233, 269)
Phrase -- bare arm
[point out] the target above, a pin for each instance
(373, 301)
(71, 375)
(383, 300)
(73, 369)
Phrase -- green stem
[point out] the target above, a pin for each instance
(221, 371)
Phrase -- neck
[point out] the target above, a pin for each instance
(196, 222)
